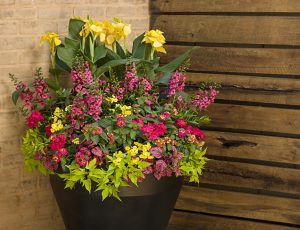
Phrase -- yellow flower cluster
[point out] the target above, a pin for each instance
(53, 40)
(57, 124)
(108, 32)
(117, 157)
(145, 150)
(126, 110)
(112, 99)
(156, 39)
(76, 141)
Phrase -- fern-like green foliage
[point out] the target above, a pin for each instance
(34, 142)
(193, 165)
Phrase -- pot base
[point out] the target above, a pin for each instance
(83, 211)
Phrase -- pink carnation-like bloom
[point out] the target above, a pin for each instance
(196, 131)
(120, 120)
(164, 116)
(182, 133)
(180, 123)
(58, 141)
(154, 130)
(138, 121)
(62, 152)
(34, 118)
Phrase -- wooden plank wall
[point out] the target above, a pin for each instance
(253, 48)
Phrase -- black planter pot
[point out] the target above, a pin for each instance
(147, 207)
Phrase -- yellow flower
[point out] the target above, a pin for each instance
(121, 29)
(76, 141)
(56, 126)
(53, 40)
(58, 112)
(117, 157)
(156, 39)
(126, 110)
(136, 160)
(112, 99)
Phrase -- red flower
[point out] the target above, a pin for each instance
(58, 142)
(196, 131)
(181, 123)
(34, 118)
(154, 130)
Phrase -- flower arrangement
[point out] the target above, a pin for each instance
(122, 117)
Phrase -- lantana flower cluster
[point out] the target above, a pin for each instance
(114, 131)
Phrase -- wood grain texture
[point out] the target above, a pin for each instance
(230, 29)
(237, 204)
(240, 60)
(254, 147)
(191, 6)
(283, 91)
(255, 118)
(251, 176)
(196, 221)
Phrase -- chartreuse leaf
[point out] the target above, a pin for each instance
(173, 65)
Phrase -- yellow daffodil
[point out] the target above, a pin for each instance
(156, 39)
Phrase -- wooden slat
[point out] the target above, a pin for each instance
(279, 6)
(237, 204)
(196, 221)
(240, 60)
(251, 176)
(256, 89)
(255, 147)
(230, 29)
(255, 118)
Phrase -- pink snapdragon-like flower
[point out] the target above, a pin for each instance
(176, 84)
(42, 91)
(203, 99)
(58, 141)
(81, 77)
(131, 81)
(34, 118)
(154, 130)
(94, 106)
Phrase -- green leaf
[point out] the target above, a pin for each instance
(120, 50)
(15, 96)
(173, 65)
(104, 194)
(132, 134)
(87, 184)
(138, 49)
(95, 139)
(100, 52)
(105, 122)
(75, 26)
(104, 68)
(164, 79)
(66, 55)
(72, 43)
(52, 84)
